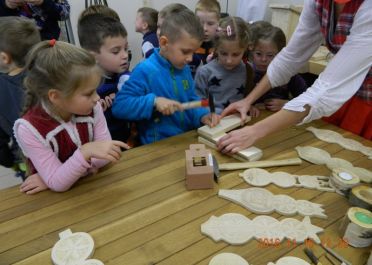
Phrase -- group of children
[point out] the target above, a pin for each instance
(82, 105)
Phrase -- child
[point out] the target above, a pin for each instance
(167, 11)
(226, 76)
(63, 132)
(157, 85)
(17, 36)
(146, 23)
(46, 13)
(99, 9)
(208, 12)
(268, 41)
(106, 38)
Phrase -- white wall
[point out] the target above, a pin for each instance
(127, 12)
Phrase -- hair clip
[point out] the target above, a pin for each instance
(52, 42)
(228, 31)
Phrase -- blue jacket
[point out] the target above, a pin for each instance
(156, 77)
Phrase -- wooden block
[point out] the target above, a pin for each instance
(199, 168)
(213, 145)
(226, 124)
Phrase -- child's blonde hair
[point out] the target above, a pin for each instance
(233, 29)
(56, 65)
(171, 9)
(150, 16)
(209, 6)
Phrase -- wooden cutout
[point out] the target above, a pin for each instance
(260, 177)
(335, 162)
(92, 262)
(199, 168)
(72, 248)
(236, 229)
(262, 201)
(313, 155)
(228, 259)
(347, 143)
(226, 124)
(289, 261)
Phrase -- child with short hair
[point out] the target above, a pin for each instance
(208, 11)
(158, 85)
(99, 9)
(167, 11)
(63, 132)
(269, 41)
(226, 77)
(17, 36)
(106, 38)
(146, 23)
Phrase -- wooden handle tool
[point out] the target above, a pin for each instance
(312, 256)
(260, 164)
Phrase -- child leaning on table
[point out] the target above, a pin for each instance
(158, 85)
(63, 132)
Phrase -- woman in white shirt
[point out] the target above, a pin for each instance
(347, 77)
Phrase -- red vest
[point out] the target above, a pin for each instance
(335, 35)
(56, 135)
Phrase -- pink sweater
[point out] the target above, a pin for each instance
(56, 175)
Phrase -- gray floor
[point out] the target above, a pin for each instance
(7, 178)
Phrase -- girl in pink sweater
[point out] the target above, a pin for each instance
(63, 132)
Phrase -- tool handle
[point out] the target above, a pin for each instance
(267, 163)
(195, 104)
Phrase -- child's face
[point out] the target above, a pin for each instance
(82, 101)
(140, 24)
(179, 52)
(229, 54)
(209, 21)
(113, 55)
(263, 54)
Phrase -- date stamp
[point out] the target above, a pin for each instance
(326, 242)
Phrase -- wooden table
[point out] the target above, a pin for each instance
(139, 212)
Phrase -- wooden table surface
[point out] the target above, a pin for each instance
(139, 212)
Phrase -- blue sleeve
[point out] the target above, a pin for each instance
(297, 86)
(135, 101)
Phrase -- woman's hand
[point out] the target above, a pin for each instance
(241, 106)
(237, 140)
(211, 119)
(275, 104)
(33, 184)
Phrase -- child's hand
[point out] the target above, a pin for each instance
(210, 57)
(167, 106)
(211, 119)
(275, 104)
(33, 184)
(254, 112)
(108, 150)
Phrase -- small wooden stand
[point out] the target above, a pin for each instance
(199, 168)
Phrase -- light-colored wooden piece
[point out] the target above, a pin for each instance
(289, 261)
(226, 124)
(347, 143)
(228, 259)
(262, 201)
(72, 248)
(236, 229)
(267, 163)
(364, 175)
(213, 145)
(312, 154)
(92, 262)
(260, 177)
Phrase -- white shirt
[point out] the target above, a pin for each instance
(343, 75)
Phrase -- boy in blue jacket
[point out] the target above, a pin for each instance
(158, 85)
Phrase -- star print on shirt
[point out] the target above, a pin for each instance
(241, 90)
(226, 104)
(214, 82)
